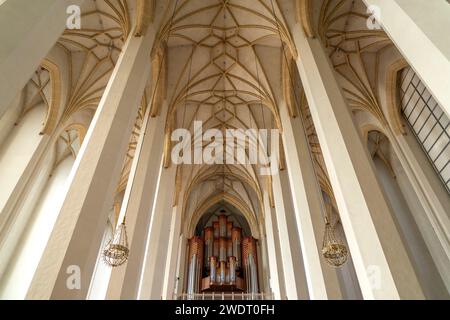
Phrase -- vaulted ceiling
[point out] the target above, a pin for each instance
(222, 62)
(223, 68)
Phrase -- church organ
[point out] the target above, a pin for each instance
(222, 260)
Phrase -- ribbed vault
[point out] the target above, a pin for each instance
(222, 66)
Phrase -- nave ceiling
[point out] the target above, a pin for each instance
(220, 62)
(224, 65)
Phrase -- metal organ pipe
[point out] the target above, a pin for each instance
(223, 243)
(213, 269)
(250, 264)
(209, 245)
(236, 240)
(222, 260)
(216, 247)
(195, 264)
(216, 229)
(232, 268)
(229, 228)
(222, 226)
(222, 272)
(229, 248)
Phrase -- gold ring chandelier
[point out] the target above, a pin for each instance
(334, 250)
(116, 251)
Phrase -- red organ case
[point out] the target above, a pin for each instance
(222, 261)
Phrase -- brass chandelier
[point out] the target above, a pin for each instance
(333, 248)
(116, 251)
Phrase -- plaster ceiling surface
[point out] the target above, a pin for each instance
(224, 69)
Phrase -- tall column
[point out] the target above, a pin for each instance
(158, 237)
(27, 33)
(275, 278)
(293, 276)
(322, 280)
(264, 274)
(435, 223)
(170, 273)
(137, 205)
(181, 266)
(381, 262)
(77, 234)
(419, 29)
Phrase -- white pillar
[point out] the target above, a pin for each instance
(140, 196)
(170, 273)
(378, 253)
(181, 266)
(15, 214)
(264, 274)
(275, 278)
(158, 237)
(306, 196)
(27, 33)
(419, 29)
(435, 223)
(293, 277)
(76, 237)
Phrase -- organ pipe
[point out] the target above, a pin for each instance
(209, 245)
(250, 264)
(216, 229)
(229, 228)
(236, 240)
(222, 226)
(229, 248)
(213, 269)
(222, 260)
(195, 264)
(232, 269)
(223, 249)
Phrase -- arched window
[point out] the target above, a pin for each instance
(20, 271)
(427, 121)
(20, 129)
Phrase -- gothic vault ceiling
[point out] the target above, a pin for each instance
(224, 69)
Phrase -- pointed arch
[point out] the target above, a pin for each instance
(53, 109)
(218, 198)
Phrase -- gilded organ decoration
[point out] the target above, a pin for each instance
(222, 259)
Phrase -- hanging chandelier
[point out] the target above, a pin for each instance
(333, 249)
(116, 251)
